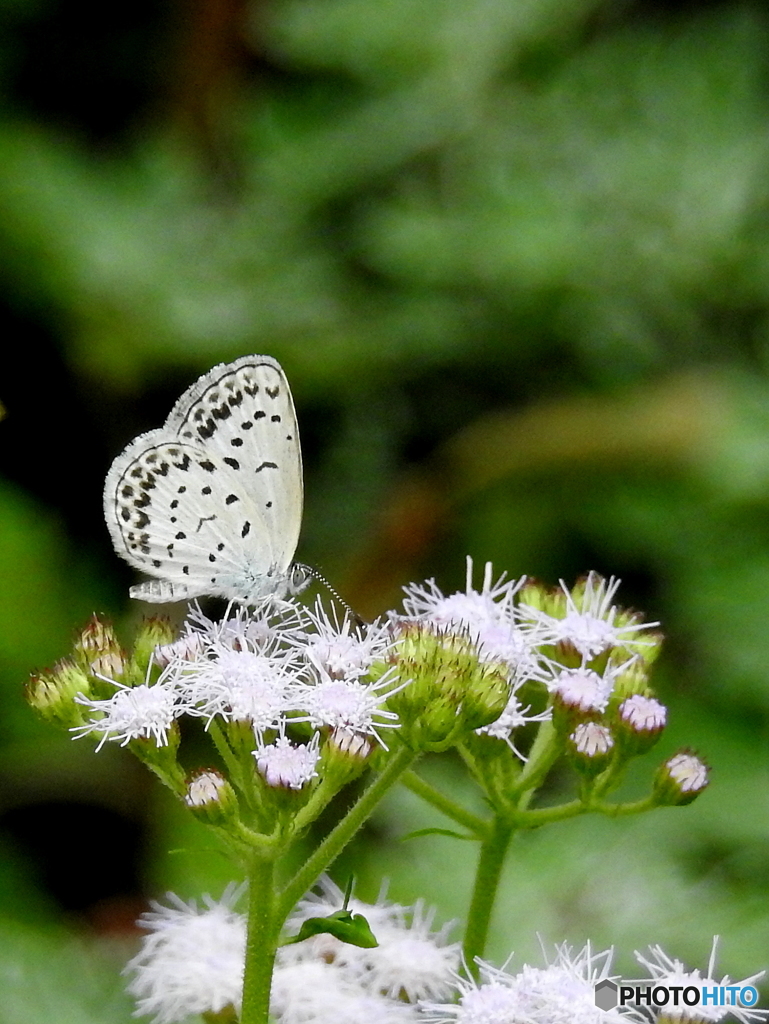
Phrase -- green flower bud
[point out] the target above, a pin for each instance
(452, 690)
(52, 693)
(152, 633)
(632, 680)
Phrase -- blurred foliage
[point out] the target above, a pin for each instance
(515, 259)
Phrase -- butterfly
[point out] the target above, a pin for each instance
(211, 502)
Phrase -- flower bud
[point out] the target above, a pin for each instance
(452, 691)
(591, 747)
(345, 755)
(52, 693)
(98, 651)
(211, 798)
(680, 779)
(153, 632)
(638, 723)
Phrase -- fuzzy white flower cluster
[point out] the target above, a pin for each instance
(192, 962)
(192, 959)
(282, 665)
(510, 632)
(664, 970)
(285, 665)
(564, 992)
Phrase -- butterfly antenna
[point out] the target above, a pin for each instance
(316, 575)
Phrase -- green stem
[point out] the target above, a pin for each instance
(646, 803)
(543, 754)
(261, 942)
(493, 850)
(340, 836)
(225, 751)
(322, 796)
(445, 804)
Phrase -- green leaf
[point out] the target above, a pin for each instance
(343, 925)
(439, 832)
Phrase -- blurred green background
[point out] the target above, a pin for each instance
(514, 256)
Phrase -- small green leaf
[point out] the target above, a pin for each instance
(342, 924)
(438, 832)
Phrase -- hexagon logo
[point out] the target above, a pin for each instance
(606, 995)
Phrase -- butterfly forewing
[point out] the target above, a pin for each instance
(211, 502)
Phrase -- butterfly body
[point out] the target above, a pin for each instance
(211, 502)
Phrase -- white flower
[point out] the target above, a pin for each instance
(192, 960)
(187, 648)
(410, 960)
(241, 685)
(590, 623)
(315, 992)
(514, 716)
(288, 764)
(583, 688)
(668, 972)
(134, 712)
(342, 650)
(248, 629)
(561, 993)
(348, 705)
(487, 615)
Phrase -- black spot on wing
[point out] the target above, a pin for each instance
(266, 465)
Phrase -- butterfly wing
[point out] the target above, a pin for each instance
(211, 502)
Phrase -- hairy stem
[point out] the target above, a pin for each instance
(261, 942)
(340, 836)
(492, 858)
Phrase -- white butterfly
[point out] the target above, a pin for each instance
(211, 502)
